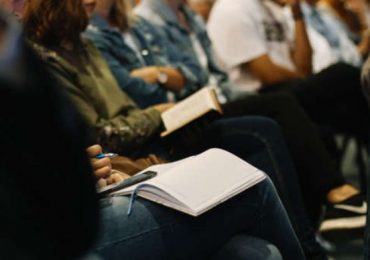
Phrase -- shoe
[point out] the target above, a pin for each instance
(348, 216)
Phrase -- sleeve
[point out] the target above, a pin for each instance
(235, 31)
(186, 63)
(142, 93)
(128, 130)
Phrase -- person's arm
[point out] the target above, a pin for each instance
(167, 54)
(129, 129)
(251, 53)
(302, 50)
(268, 72)
(363, 46)
(143, 93)
(175, 81)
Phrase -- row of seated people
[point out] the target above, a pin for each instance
(188, 37)
(172, 59)
(49, 204)
(50, 210)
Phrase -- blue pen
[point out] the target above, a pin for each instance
(103, 155)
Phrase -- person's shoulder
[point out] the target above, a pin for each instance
(236, 9)
(45, 54)
(97, 36)
(90, 47)
(145, 12)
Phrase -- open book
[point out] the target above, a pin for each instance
(196, 184)
(189, 109)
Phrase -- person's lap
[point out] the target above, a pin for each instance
(156, 232)
(332, 98)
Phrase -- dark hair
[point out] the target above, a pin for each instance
(121, 14)
(55, 22)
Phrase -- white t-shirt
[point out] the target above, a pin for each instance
(323, 54)
(243, 30)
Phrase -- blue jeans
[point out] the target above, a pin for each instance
(156, 232)
(259, 141)
(243, 247)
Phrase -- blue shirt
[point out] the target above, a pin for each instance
(159, 13)
(327, 26)
(153, 50)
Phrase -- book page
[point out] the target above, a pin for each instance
(189, 109)
(208, 179)
(199, 183)
(158, 168)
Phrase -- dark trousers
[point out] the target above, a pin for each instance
(259, 141)
(332, 98)
(317, 170)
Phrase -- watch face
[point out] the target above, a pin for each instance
(162, 78)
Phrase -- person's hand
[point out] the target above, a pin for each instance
(115, 177)
(356, 6)
(102, 167)
(163, 107)
(149, 74)
(364, 45)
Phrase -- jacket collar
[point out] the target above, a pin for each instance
(165, 12)
(99, 22)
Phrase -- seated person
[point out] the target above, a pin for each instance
(271, 62)
(108, 34)
(330, 42)
(48, 200)
(349, 16)
(120, 126)
(181, 31)
(49, 206)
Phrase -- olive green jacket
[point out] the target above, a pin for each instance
(115, 120)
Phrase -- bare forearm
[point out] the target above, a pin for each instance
(364, 45)
(302, 53)
(176, 80)
(279, 75)
(270, 73)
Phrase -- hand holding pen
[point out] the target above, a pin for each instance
(105, 155)
(102, 167)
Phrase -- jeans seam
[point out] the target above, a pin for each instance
(120, 240)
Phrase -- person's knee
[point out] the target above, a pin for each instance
(285, 102)
(251, 125)
(343, 70)
(247, 247)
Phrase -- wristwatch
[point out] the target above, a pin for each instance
(162, 78)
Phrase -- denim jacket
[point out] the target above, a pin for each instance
(162, 15)
(154, 51)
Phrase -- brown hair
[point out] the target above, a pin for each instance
(53, 23)
(121, 14)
